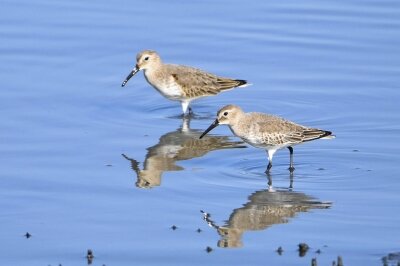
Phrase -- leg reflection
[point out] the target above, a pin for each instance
(270, 187)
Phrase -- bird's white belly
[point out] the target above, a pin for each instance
(257, 141)
(262, 145)
(168, 88)
(171, 91)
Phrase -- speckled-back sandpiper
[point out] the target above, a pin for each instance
(266, 131)
(180, 83)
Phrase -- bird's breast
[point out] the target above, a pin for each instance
(165, 85)
(250, 133)
(246, 134)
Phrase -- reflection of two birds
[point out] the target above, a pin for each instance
(181, 144)
(264, 209)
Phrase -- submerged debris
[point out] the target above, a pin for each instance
(303, 248)
(90, 256)
(314, 262)
(174, 227)
(339, 262)
(279, 250)
(391, 259)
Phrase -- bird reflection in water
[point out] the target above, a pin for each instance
(270, 187)
(181, 144)
(264, 209)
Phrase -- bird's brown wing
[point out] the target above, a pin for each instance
(197, 83)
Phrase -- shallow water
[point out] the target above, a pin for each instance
(65, 123)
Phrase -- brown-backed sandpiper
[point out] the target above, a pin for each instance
(180, 83)
(266, 131)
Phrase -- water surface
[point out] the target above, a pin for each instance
(65, 123)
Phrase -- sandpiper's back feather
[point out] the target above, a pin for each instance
(197, 83)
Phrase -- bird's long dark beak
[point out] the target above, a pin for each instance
(133, 72)
(213, 125)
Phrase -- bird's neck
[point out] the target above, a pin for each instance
(236, 125)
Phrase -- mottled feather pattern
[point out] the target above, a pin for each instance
(268, 129)
(196, 83)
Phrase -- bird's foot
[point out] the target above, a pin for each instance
(188, 114)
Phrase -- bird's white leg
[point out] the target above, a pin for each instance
(185, 105)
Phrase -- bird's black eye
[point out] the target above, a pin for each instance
(226, 113)
(146, 58)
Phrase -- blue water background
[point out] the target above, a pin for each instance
(65, 121)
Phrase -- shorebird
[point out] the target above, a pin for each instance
(266, 131)
(178, 82)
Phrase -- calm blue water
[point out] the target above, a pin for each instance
(65, 121)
